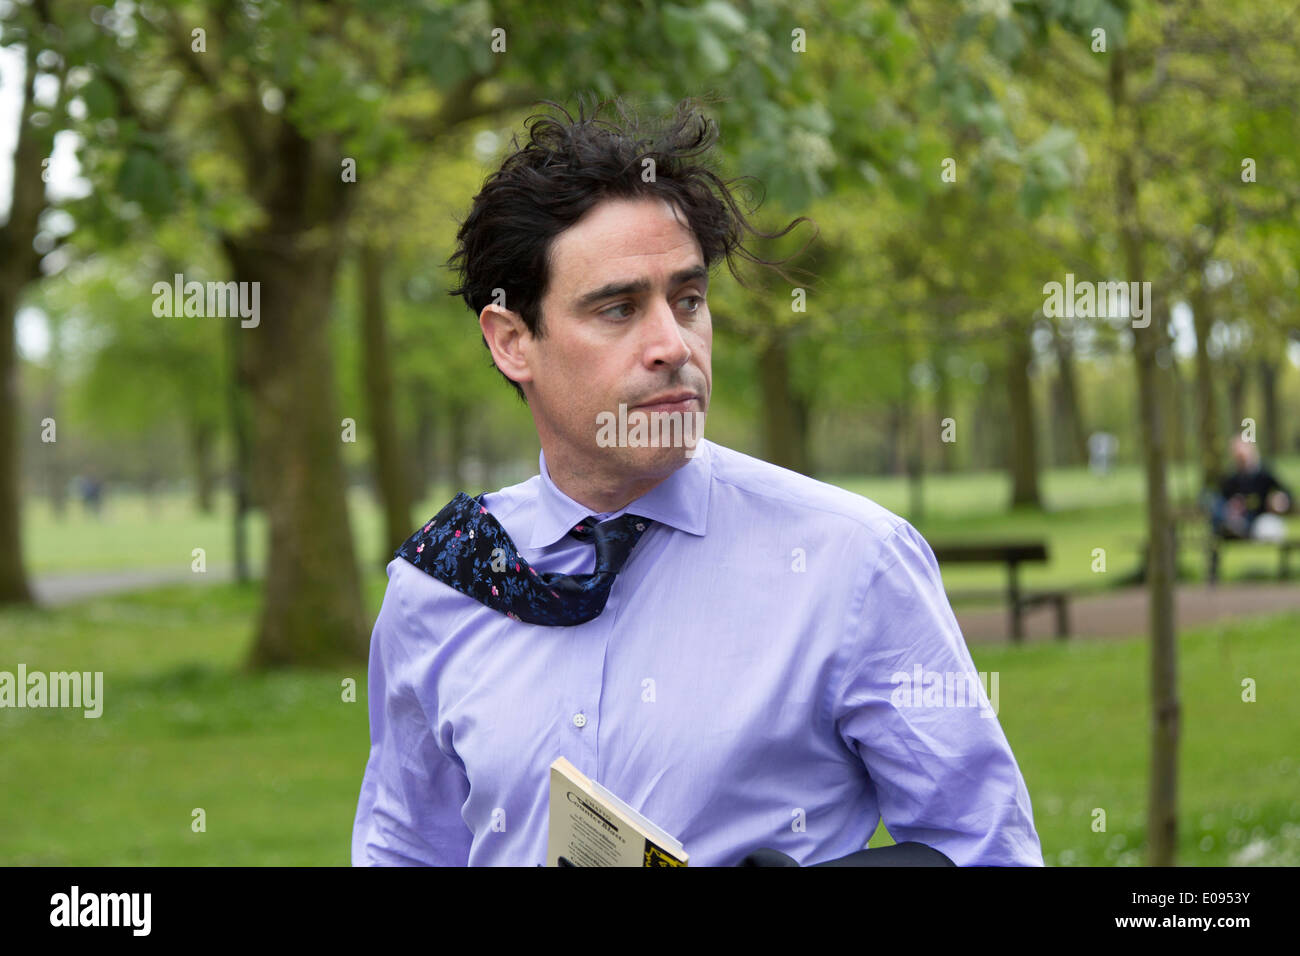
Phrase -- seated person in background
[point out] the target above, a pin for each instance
(1250, 491)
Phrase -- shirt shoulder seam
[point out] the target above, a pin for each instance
(860, 521)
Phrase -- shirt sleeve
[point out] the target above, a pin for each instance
(408, 813)
(942, 769)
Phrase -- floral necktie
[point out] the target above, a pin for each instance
(465, 547)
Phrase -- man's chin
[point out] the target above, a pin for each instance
(652, 460)
(650, 439)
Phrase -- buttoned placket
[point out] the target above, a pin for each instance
(584, 689)
(584, 692)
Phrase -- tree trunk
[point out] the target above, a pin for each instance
(458, 444)
(18, 267)
(1207, 410)
(945, 408)
(13, 577)
(423, 463)
(1023, 459)
(1237, 392)
(1270, 424)
(986, 428)
(785, 415)
(914, 445)
(312, 612)
(892, 458)
(1071, 435)
(1177, 446)
(1162, 810)
(390, 467)
(202, 440)
(916, 476)
(241, 464)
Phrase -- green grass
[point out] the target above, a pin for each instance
(1077, 718)
(275, 760)
(1082, 513)
(135, 531)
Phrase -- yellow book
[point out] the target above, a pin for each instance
(589, 826)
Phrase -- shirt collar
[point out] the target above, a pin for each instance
(681, 501)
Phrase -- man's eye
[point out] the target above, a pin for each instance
(699, 301)
(621, 305)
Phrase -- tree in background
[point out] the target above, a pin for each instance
(51, 58)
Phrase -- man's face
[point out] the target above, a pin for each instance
(1243, 453)
(625, 322)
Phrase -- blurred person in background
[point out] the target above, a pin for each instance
(1250, 491)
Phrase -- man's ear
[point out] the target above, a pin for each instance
(507, 338)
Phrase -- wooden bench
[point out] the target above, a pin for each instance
(1012, 554)
(1191, 525)
(1284, 547)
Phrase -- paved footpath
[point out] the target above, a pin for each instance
(55, 589)
(1124, 613)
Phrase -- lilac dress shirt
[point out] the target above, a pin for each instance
(755, 680)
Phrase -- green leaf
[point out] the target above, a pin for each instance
(679, 24)
(714, 53)
(144, 180)
(722, 15)
(99, 98)
(1007, 41)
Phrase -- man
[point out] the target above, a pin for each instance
(1245, 494)
(720, 642)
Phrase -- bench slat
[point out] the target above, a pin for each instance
(990, 553)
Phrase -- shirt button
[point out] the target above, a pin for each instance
(580, 720)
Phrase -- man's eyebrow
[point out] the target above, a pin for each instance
(612, 289)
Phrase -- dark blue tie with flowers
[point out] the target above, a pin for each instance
(465, 547)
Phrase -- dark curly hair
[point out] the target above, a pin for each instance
(567, 167)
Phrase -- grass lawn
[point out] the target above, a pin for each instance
(275, 760)
(1082, 513)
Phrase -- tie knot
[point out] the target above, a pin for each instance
(614, 538)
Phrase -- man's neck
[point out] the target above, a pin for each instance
(600, 493)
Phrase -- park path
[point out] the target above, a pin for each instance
(1124, 613)
(55, 589)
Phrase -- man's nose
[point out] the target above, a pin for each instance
(666, 344)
